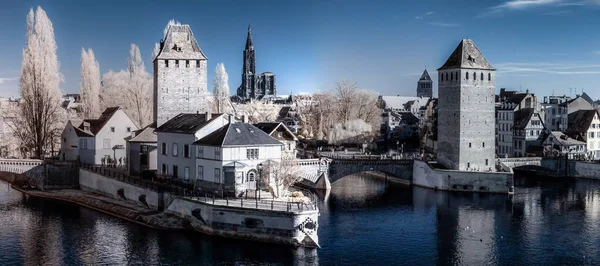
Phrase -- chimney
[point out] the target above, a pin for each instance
(208, 116)
(245, 119)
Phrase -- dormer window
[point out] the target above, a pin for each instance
(86, 128)
(175, 47)
(112, 129)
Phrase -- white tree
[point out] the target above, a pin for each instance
(90, 84)
(354, 131)
(280, 176)
(40, 114)
(221, 101)
(262, 112)
(130, 89)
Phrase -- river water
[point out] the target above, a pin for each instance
(362, 222)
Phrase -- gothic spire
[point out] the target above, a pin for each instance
(249, 45)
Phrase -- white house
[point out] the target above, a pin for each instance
(175, 137)
(584, 125)
(142, 150)
(528, 131)
(281, 132)
(559, 144)
(98, 138)
(232, 154)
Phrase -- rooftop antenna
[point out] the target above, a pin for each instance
(552, 92)
(570, 92)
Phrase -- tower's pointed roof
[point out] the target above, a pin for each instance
(180, 43)
(249, 45)
(466, 55)
(425, 76)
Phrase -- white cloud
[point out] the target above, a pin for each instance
(424, 15)
(560, 68)
(528, 4)
(523, 4)
(445, 24)
(2, 80)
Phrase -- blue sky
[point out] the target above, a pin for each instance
(545, 46)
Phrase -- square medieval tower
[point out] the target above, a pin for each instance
(180, 84)
(466, 112)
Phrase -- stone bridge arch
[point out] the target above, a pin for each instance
(341, 168)
(22, 172)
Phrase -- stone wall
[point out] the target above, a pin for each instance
(495, 182)
(397, 168)
(584, 170)
(253, 224)
(93, 182)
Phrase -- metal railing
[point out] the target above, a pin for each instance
(175, 189)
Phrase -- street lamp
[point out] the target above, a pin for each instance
(260, 176)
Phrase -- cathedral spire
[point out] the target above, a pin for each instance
(249, 45)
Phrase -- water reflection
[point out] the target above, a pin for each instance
(363, 221)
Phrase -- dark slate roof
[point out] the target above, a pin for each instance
(579, 121)
(425, 76)
(97, 124)
(587, 98)
(237, 134)
(186, 123)
(81, 133)
(466, 55)
(522, 118)
(407, 117)
(146, 134)
(267, 127)
(283, 112)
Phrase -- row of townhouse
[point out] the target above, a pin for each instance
(525, 127)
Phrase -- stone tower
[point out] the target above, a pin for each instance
(466, 115)
(425, 86)
(180, 84)
(254, 86)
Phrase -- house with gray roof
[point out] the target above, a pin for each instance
(176, 156)
(584, 125)
(558, 144)
(142, 150)
(528, 133)
(281, 132)
(232, 154)
(95, 139)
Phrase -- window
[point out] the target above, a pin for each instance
(198, 63)
(106, 144)
(174, 149)
(217, 153)
(166, 63)
(176, 63)
(451, 76)
(474, 76)
(187, 63)
(200, 152)
(186, 151)
(483, 144)
(112, 129)
(489, 76)
(200, 174)
(86, 128)
(83, 144)
(468, 165)
(467, 75)
(163, 148)
(217, 175)
(446, 76)
(175, 171)
(481, 75)
(251, 176)
(252, 153)
(186, 173)
(469, 144)
(591, 135)
(164, 169)
(128, 129)
(486, 161)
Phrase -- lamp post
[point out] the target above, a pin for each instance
(260, 176)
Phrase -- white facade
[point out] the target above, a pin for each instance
(529, 136)
(108, 141)
(555, 112)
(593, 138)
(69, 145)
(214, 163)
(172, 147)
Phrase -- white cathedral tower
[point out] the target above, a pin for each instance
(466, 114)
(180, 84)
